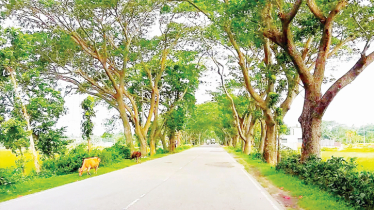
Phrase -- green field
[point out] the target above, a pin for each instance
(365, 156)
(7, 159)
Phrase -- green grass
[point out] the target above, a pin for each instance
(313, 197)
(41, 183)
(365, 156)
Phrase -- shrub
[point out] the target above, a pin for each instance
(72, 160)
(335, 175)
(161, 151)
(67, 163)
(238, 149)
(123, 150)
(256, 155)
(10, 175)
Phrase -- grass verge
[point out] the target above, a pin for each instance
(38, 184)
(312, 198)
(364, 156)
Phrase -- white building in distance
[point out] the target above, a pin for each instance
(295, 139)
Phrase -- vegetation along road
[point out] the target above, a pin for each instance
(205, 177)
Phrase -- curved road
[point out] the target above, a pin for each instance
(200, 178)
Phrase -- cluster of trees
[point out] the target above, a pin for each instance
(347, 134)
(277, 47)
(144, 58)
(108, 50)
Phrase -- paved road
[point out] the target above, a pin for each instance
(202, 178)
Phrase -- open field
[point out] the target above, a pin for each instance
(365, 156)
(7, 159)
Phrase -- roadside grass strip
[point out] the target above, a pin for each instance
(308, 196)
(38, 184)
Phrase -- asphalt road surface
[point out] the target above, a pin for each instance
(200, 178)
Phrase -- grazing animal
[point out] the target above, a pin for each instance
(136, 155)
(88, 163)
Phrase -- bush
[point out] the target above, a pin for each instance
(123, 150)
(160, 151)
(256, 155)
(335, 175)
(67, 163)
(72, 160)
(10, 175)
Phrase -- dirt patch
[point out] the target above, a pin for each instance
(283, 197)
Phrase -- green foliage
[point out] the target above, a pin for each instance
(71, 161)
(347, 134)
(176, 119)
(13, 135)
(66, 163)
(336, 175)
(274, 99)
(207, 121)
(43, 103)
(88, 105)
(160, 151)
(51, 143)
(10, 175)
(183, 147)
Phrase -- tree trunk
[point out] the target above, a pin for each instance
(154, 129)
(142, 140)
(152, 141)
(311, 126)
(247, 147)
(27, 119)
(143, 148)
(230, 141)
(163, 140)
(89, 145)
(126, 124)
(263, 137)
(172, 143)
(235, 141)
(270, 152)
(249, 138)
(278, 148)
(152, 145)
(32, 145)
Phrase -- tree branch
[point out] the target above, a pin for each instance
(325, 43)
(343, 81)
(316, 11)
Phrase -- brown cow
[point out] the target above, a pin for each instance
(136, 155)
(88, 163)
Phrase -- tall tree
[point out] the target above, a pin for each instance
(27, 100)
(88, 105)
(178, 88)
(351, 20)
